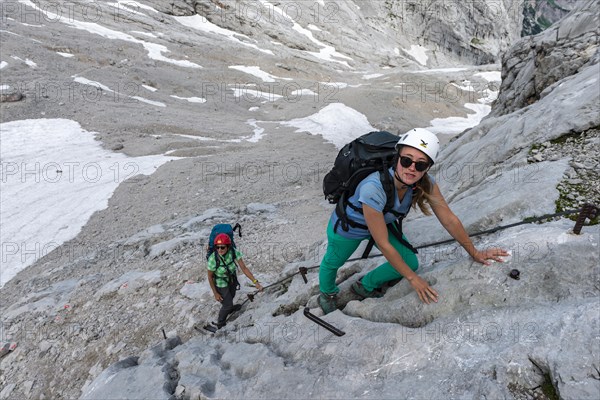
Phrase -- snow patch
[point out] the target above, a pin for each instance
(85, 81)
(98, 85)
(418, 53)
(151, 102)
(155, 51)
(26, 61)
(55, 176)
(257, 72)
(337, 123)
(372, 76)
(455, 125)
(258, 131)
(190, 99)
(202, 24)
(326, 52)
(490, 76)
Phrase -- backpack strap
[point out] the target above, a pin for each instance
(388, 187)
(231, 277)
(368, 249)
(340, 210)
(396, 229)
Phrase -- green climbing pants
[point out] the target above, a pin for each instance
(339, 250)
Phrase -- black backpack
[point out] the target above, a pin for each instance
(372, 152)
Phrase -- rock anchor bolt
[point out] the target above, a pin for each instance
(587, 211)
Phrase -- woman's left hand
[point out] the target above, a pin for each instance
(495, 254)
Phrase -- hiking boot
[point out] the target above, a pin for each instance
(211, 327)
(327, 302)
(219, 325)
(358, 289)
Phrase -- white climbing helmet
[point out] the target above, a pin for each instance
(421, 139)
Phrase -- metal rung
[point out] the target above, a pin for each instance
(587, 211)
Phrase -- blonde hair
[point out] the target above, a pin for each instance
(422, 194)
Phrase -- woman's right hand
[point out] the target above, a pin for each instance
(218, 297)
(426, 293)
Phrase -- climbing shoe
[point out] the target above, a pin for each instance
(327, 302)
(358, 289)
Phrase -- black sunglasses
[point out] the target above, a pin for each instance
(221, 247)
(420, 166)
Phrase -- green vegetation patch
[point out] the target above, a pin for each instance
(543, 23)
(569, 198)
(580, 184)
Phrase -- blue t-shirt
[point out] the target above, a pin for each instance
(370, 192)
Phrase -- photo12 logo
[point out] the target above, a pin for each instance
(473, 333)
(257, 12)
(65, 171)
(262, 171)
(68, 12)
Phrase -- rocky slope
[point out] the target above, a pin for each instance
(532, 67)
(540, 14)
(470, 33)
(91, 318)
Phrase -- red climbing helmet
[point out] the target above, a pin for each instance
(223, 238)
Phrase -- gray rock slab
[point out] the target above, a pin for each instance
(130, 282)
(49, 300)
